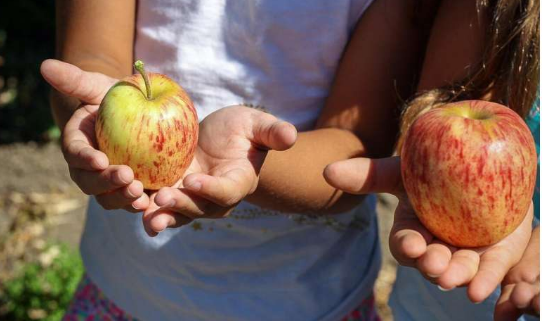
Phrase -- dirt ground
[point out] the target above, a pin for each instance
(39, 203)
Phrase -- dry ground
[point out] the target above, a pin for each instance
(39, 203)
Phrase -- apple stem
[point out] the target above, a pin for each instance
(139, 66)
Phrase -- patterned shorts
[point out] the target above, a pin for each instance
(90, 304)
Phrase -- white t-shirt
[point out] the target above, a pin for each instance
(256, 264)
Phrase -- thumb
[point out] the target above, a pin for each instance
(89, 87)
(271, 133)
(366, 175)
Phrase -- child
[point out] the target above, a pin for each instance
(276, 256)
(509, 76)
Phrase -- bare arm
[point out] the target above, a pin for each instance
(455, 46)
(378, 69)
(456, 43)
(95, 36)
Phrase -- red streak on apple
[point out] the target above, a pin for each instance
(156, 137)
(469, 170)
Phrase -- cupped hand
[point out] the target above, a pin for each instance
(481, 269)
(113, 185)
(520, 290)
(232, 145)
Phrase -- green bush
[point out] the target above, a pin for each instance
(43, 291)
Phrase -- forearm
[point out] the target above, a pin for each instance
(456, 44)
(363, 102)
(292, 180)
(95, 36)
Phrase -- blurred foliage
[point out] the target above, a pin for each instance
(27, 35)
(43, 290)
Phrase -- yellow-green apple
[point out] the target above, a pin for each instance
(469, 170)
(148, 122)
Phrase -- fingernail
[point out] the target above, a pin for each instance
(130, 193)
(443, 289)
(195, 186)
(100, 163)
(123, 179)
(432, 275)
(135, 207)
(170, 204)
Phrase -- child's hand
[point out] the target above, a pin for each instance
(113, 185)
(520, 291)
(413, 245)
(232, 146)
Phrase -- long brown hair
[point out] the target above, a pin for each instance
(509, 71)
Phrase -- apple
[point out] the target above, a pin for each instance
(469, 170)
(148, 122)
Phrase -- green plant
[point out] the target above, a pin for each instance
(42, 291)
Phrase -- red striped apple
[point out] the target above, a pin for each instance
(148, 122)
(469, 170)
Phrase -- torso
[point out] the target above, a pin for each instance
(256, 264)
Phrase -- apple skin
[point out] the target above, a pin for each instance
(157, 138)
(469, 170)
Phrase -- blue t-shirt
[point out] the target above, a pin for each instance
(415, 299)
(533, 121)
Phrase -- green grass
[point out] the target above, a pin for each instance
(43, 291)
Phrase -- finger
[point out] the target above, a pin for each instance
(121, 197)
(494, 264)
(406, 246)
(161, 219)
(99, 182)
(408, 237)
(270, 133)
(435, 260)
(147, 214)
(157, 218)
(193, 206)
(535, 304)
(499, 259)
(68, 79)
(461, 269)
(79, 154)
(504, 309)
(524, 271)
(226, 190)
(523, 295)
(79, 141)
(139, 205)
(365, 175)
